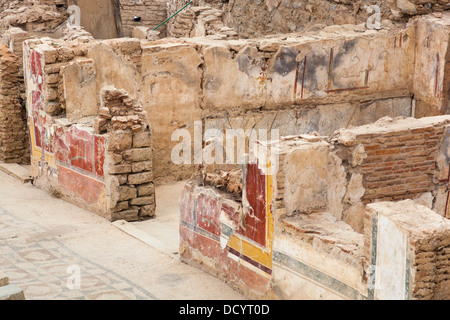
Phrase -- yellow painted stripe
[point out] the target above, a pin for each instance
(260, 255)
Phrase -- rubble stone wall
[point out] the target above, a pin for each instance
(410, 252)
(14, 146)
(317, 236)
(259, 18)
(98, 153)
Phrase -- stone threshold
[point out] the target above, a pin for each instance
(20, 172)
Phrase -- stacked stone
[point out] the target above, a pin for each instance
(37, 17)
(183, 24)
(130, 155)
(210, 19)
(13, 126)
(400, 163)
(428, 246)
(432, 268)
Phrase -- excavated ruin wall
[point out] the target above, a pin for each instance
(306, 232)
(91, 146)
(297, 84)
(264, 17)
(14, 146)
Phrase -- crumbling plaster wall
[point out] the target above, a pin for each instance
(299, 84)
(315, 82)
(317, 236)
(99, 157)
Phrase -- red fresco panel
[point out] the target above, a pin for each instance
(80, 186)
(231, 213)
(208, 213)
(186, 204)
(208, 247)
(99, 155)
(255, 220)
(62, 152)
(81, 145)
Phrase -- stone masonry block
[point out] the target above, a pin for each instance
(127, 193)
(138, 155)
(140, 178)
(120, 140)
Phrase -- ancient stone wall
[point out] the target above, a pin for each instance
(410, 252)
(297, 84)
(14, 146)
(98, 158)
(129, 155)
(259, 18)
(316, 238)
(151, 14)
(402, 159)
(40, 16)
(200, 22)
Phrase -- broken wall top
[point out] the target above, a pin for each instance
(388, 125)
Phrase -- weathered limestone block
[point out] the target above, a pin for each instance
(127, 215)
(147, 211)
(80, 90)
(305, 187)
(140, 178)
(138, 155)
(142, 139)
(120, 169)
(142, 166)
(146, 189)
(127, 193)
(119, 141)
(142, 201)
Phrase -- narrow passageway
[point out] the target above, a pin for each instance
(45, 243)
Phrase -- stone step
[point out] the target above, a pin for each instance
(22, 173)
(4, 280)
(11, 292)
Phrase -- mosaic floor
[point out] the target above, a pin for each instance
(45, 269)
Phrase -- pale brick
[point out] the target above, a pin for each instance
(127, 215)
(142, 166)
(140, 178)
(120, 140)
(127, 193)
(120, 169)
(146, 189)
(143, 201)
(138, 155)
(142, 139)
(147, 211)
